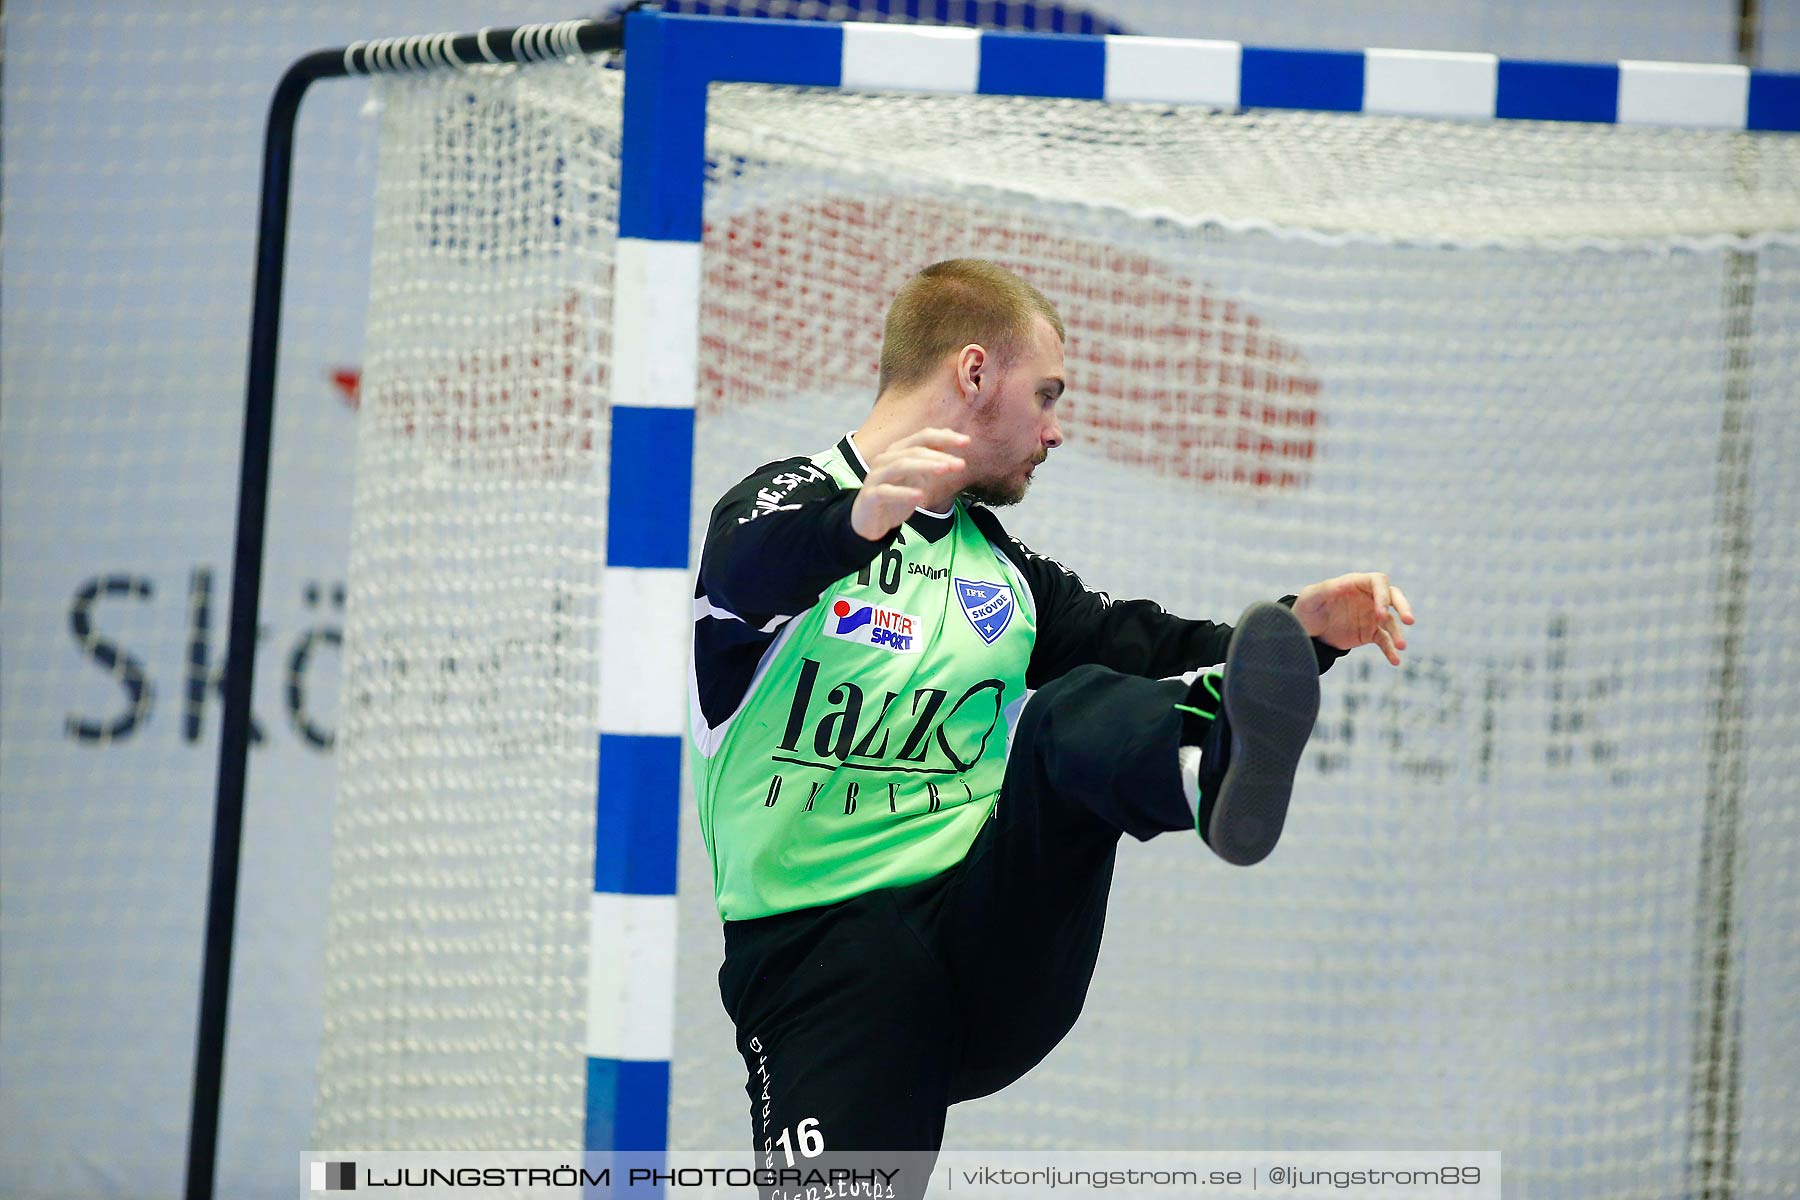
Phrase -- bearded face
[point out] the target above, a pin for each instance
(1017, 427)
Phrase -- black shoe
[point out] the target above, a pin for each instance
(1251, 728)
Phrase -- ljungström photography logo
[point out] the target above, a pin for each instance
(334, 1177)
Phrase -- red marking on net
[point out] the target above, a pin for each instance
(348, 381)
(522, 399)
(1165, 372)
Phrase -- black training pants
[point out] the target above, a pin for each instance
(861, 1022)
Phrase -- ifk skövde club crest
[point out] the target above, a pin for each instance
(989, 606)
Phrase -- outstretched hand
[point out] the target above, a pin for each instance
(1356, 610)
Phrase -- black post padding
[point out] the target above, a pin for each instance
(475, 49)
(246, 583)
(247, 562)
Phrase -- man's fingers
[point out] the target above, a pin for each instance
(1379, 585)
(934, 438)
(899, 493)
(881, 507)
(902, 476)
(1366, 609)
(895, 501)
(1400, 604)
(916, 457)
(916, 465)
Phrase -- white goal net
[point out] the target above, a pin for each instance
(1539, 890)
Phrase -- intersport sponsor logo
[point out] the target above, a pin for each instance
(872, 625)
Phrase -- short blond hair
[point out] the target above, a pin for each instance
(951, 304)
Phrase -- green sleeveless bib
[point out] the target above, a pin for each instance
(872, 743)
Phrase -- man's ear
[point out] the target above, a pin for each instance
(971, 365)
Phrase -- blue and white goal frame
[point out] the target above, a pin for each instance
(671, 61)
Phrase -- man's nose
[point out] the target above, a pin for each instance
(1053, 434)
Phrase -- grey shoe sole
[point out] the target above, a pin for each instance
(1271, 699)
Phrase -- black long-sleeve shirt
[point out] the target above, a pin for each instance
(782, 536)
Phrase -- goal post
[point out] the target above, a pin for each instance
(1503, 326)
